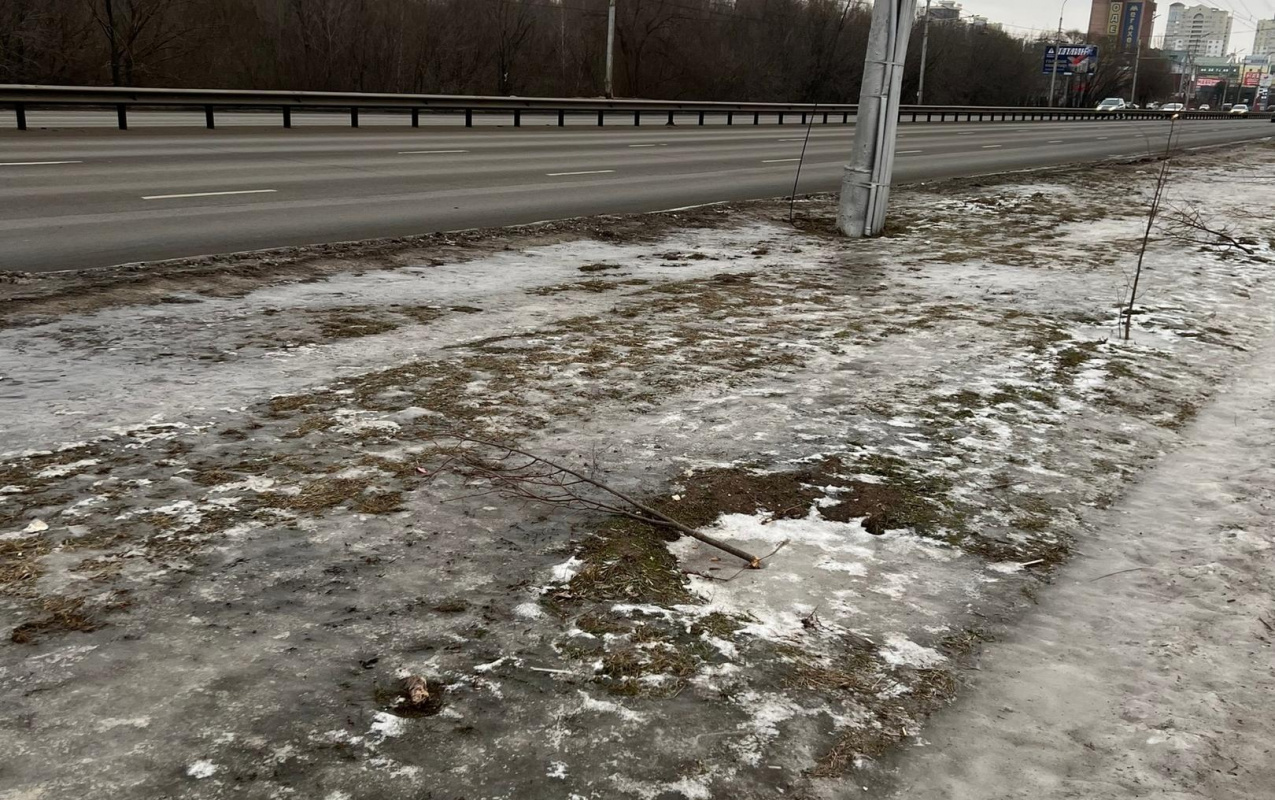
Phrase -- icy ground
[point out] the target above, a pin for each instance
(1149, 671)
(218, 559)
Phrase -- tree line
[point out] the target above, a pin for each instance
(759, 50)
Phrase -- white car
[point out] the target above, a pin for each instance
(1239, 108)
(1173, 107)
(1204, 107)
(1113, 104)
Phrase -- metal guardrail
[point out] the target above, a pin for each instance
(22, 97)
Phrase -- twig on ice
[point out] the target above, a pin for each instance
(766, 557)
(1119, 572)
(519, 474)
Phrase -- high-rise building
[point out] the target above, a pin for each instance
(1264, 42)
(943, 10)
(1123, 21)
(1199, 30)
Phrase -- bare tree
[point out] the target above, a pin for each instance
(141, 34)
(809, 50)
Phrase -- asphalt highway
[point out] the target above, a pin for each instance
(72, 199)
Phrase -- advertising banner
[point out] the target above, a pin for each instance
(1207, 83)
(1252, 78)
(1071, 59)
(1131, 25)
(1115, 17)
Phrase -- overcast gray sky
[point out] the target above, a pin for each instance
(1028, 16)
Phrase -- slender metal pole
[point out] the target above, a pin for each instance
(610, 86)
(1053, 76)
(925, 51)
(1137, 60)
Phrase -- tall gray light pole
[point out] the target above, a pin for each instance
(1137, 59)
(925, 52)
(865, 187)
(610, 92)
(1053, 76)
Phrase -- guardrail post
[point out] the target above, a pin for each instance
(637, 118)
(121, 113)
(469, 118)
(670, 118)
(803, 119)
(825, 119)
(416, 117)
(701, 118)
(287, 117)
(517, 117)
(209, 121)
(756, 119)
(845, 118)
(730, 117)
(354, 116)
(20, 109)
(562, 118)
(781, 119)
(600, 118)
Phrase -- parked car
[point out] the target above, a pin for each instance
(1204, 107)
(1173, 107)
(1113, 104)
(1239, 108)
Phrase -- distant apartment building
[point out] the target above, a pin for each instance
(1124, 21)
(1264, 42)
(1200, 30)
(977, 21)
(944, 10)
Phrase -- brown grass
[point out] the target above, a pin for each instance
(61, 615)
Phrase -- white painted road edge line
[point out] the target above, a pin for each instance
(660, 144)
(585, 172)
(36, 163)
(779, 160)
(429, 152)
(1054, 141)
(909, 152)
(207, 194)
(992, 146)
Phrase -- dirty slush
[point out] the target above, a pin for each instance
(235, 561)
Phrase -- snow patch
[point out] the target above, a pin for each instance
(202, 769)
(900, 651)
(387, 725)
(588, 703)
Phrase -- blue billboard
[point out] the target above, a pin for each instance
(1071, 59)
(1131, 25)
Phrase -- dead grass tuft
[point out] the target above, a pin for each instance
(62, 615)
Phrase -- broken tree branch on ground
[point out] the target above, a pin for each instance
(513, 473)
(1189, 226)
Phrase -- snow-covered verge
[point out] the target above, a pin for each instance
(1146, 671)
(219, 558)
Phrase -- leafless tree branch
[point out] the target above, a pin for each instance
(544, 481)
